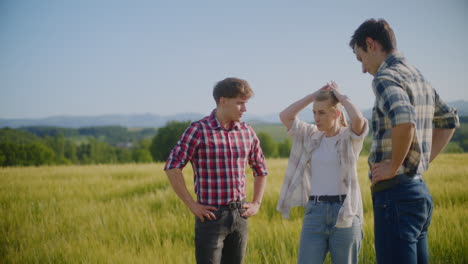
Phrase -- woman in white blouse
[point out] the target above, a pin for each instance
(322, 176)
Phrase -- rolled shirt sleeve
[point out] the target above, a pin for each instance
(256, 157)
(184, 149)
(444, 115)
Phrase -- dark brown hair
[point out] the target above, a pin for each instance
(378, 30)
(232, 88)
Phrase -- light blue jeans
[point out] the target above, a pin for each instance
(319, 235)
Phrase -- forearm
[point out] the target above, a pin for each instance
(288, 115)
(402, 136)
(356, 117)
(259, 189)
(177, 181)
(440, 138)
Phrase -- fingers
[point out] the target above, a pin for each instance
(324, 88)
(330, 86)
(375, 173)
(211, 208)
(375, 180)
(246, 213)
(251, 209)
(206, 212)
(208, 215)
(246, 206)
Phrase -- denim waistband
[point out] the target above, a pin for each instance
(388, 184)
(229, 206)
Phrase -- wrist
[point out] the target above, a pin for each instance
(312, 96)
(191, 203)
(257, 202)
(342, 98)
(393, 171)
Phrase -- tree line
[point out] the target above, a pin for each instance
(35, 146)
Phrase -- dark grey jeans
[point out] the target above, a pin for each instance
(223, 240)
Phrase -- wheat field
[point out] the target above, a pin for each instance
(130, 214)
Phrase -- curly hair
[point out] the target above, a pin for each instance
(231, 88)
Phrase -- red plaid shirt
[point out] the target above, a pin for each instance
(218, 158)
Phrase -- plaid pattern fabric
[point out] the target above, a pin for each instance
(403, 95)
(219, 159)
(297, 181)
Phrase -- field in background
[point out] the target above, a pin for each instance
(129, 214)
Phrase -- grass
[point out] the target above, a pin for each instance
(130, 214)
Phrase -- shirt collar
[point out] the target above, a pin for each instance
(215, 124)
(391, 59)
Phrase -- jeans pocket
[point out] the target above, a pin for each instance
(308, 209)
(412, 217)
(314, 209)
(383, 214)
(218, 214)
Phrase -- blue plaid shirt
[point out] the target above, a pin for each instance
(403, 95)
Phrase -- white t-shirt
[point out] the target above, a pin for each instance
(327, 174)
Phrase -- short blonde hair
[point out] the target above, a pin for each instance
(330, 96)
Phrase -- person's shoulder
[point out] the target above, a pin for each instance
(207, 120)
(199, 124)
(390, 76)
(391, 73)
(245, 126)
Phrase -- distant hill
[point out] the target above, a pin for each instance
(154, 121)
(130, 121)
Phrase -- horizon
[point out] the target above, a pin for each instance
(91, 58)
(248, 114)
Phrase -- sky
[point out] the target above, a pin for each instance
(88, 58)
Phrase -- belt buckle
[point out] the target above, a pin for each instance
(234, 205)
(317, 198)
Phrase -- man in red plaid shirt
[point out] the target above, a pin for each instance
(219, 147)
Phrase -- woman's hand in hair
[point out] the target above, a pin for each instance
(324, 88)
(336, 90)
(357, 119)
(288, 115)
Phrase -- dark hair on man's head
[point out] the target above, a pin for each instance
(378, 30)
(232, 88)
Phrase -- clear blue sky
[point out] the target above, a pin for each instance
(163, 57)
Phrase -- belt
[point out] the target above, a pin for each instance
(388, 184)
(231, 205)
(328, 198)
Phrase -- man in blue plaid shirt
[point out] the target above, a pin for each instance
(411, 125)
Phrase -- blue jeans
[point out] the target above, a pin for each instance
(402, 215)
(223, 240)
(319, 235)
